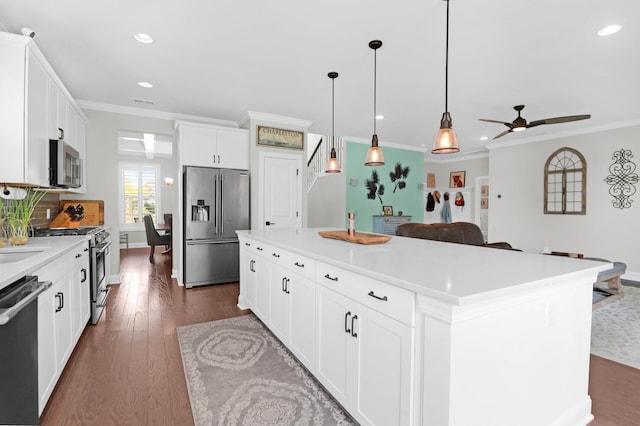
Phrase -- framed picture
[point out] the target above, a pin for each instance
(282, 138)
(484, 190)
(484, 203)
(431, 180)
(387, 210)
(456, 180)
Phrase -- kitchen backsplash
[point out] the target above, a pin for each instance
(39, 217)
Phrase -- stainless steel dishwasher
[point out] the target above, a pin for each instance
(19, 351)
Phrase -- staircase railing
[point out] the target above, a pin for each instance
(318, 160)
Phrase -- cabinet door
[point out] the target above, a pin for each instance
(47, 365)
(233, 149)
(303, 319)
(85, 294)
(198, 146)
(80, 305)
(333, 342)
(280, 320)
(37, 142)
(63, 306)
(383, 373)
(263, 289)
(248, 276)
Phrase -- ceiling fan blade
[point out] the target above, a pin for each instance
(494, 121)
(502, 134)
(556, 120)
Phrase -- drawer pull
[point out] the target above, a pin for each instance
(299, 265)
(353, 326)
(329, 277)
(78, 255)
(252, 266)
(259, 248)
(247, 244)
(384, 298)
(346, 322)
(276, 255)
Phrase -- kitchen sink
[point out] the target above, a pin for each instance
(17, 255)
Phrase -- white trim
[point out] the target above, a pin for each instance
(141, 112)
(263, 116)
(363, 141)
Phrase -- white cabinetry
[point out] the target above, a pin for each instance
(212, 146)
(34, 105)
(63, 312)
(364, 355)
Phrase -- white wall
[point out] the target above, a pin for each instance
(101, 166)
(517, 174)
(326, 202)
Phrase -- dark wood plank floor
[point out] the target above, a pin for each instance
(127, 370)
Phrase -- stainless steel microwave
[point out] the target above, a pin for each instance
(65, 165)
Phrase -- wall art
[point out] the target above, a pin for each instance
(398, 176)
(622, 179)
(280, 137)
(374, 188)
(456, 179)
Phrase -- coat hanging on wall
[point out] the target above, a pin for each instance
(431, 203)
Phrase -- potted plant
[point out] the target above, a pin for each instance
(18, 215)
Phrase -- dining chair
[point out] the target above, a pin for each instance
(153, 237)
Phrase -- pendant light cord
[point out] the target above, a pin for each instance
(446, 66)
(375, 67)
(333, 80)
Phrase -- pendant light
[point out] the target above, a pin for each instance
(374, 155)
(332, 165)
(446, 141)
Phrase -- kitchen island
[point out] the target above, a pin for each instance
(424, 332)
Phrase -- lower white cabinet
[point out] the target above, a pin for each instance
(364, 359)
(63, 312)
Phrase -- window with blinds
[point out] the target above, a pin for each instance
(140, 193)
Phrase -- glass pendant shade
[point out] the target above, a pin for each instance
(374, 154)
(446, 141)
(332, 165)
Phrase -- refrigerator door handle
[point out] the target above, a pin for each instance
(221, 206)
(215, 207)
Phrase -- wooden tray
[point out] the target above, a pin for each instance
(358, 238)
(93, 211)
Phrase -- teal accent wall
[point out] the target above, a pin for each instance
(408, 200)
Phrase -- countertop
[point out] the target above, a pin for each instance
(50, 248)
(455, 273)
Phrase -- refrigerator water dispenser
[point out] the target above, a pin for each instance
(200, 210)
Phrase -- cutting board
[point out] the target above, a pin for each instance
(358, 238)
(93, 211)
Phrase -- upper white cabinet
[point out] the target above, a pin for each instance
(33, 106)
(212, 146)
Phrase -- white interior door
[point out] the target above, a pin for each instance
(281, 192)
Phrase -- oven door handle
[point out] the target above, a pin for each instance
(101, 248)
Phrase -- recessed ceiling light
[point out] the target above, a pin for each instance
(145, 84)
(609, 29)
(379, 117)
(143, 38)
(484, 138)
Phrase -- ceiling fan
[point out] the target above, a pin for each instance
(520, 123)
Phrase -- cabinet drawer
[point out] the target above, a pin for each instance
(387, 299)
(302, 265)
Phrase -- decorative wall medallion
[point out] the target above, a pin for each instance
(622, 179)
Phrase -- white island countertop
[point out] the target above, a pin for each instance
(454, 273)
(46, 249)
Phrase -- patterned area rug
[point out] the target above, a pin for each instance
(238, 373)
(615, 329)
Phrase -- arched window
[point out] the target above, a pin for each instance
(565, 183)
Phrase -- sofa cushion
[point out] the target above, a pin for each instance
(457, 232)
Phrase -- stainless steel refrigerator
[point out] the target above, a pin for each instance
(216, 204)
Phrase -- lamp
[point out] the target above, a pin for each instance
(374, 155)
(332, 165)
(446, 141)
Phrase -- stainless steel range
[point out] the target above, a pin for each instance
(99, 246)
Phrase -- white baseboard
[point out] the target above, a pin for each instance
(134, 245)
(631, 276)
(115, 279)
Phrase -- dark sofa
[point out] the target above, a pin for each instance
(457, 232)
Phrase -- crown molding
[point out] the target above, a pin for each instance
(363, 141)
(141, 112)
(273, 118)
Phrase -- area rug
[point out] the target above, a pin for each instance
(238, 373)
(615, 329)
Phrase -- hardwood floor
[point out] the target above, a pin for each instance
(127, 370)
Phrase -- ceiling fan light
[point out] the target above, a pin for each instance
(446, 141)
(374, 154)
(518, 129)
